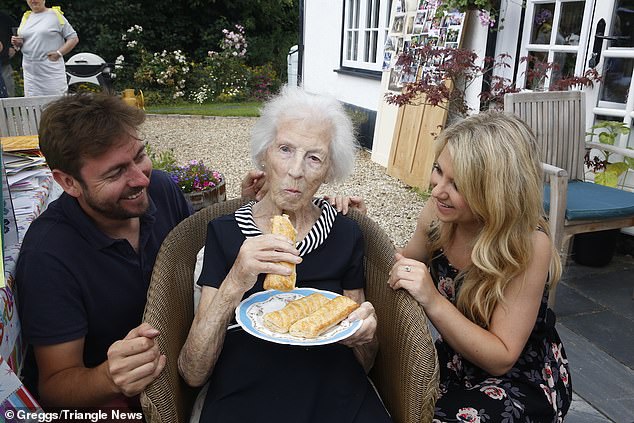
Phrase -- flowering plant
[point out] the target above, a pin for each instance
(195, 176)
(608, 172)
(488, 9)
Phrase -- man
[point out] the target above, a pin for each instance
(7, 51)
(85, 263)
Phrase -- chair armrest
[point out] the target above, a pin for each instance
(555, 171)
(611, 148)
(557, 214)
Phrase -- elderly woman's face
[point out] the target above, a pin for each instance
(37, 5)
(297, 163)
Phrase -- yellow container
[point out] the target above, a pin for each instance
(128, 93)
(130, 101)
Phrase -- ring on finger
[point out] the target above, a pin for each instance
(408, 269)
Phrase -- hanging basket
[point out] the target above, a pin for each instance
(201, 199)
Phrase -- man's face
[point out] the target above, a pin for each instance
(114, 185)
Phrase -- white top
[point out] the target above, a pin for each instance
(43, 33)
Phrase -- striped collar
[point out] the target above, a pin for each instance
(315, 237)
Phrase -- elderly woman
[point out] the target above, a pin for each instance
(302, 141)
(44, 36)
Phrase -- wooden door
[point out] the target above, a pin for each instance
(412, 152)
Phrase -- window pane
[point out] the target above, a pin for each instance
(357, 5)
(616, 80)
(623, 24)
(542, 23)
(366, 47)
(350, 9)
(564, 66)
(375, 17)
(349, 46)
(355, 41)
(536, 70)
(373, 44)
(570, 21)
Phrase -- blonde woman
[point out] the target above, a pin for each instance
(481, 263)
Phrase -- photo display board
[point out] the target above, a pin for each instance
(417, 23)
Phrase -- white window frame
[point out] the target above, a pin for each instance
(552, 48)
(361, 19)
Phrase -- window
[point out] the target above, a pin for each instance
(555, 33)
(365, 27)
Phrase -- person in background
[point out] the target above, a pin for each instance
(7, 51)
(481, 263)
(44, 37)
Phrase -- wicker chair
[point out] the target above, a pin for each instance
(406, 368)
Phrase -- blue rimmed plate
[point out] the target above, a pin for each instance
(250, 313)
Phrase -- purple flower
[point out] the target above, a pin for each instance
(545, 15)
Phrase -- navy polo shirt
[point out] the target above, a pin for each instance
(74, 281)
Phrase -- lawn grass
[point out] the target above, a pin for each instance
(247, 109)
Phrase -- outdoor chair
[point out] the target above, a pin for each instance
(406, 368)
(20, 116)
(573, 206)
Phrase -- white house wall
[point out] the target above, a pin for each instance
(322, 50)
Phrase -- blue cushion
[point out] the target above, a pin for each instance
(589, 201)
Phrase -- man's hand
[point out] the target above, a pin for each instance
(253, 185)
(135, 361)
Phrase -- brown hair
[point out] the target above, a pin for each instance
(81, 126)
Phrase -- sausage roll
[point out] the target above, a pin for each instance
(281, 320)
(333, 312)
(281, 225)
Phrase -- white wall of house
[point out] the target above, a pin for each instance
(322, 50)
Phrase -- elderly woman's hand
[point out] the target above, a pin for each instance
(366, 332)
(262, 254)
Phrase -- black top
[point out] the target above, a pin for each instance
(74, 281)
(536, 389)
(256, 380)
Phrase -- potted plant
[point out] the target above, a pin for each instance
(596, 249)
(607, 172)
(200, 185)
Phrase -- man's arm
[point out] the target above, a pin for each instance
(132, 364)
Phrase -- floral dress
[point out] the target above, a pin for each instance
(536, 389)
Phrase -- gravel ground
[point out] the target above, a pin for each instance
(223, 144)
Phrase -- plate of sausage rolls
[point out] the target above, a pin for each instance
(303, 316)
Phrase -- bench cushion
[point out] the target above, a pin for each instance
(589, 201)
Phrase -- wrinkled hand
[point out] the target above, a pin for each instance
(253, 185)
(135, 361)
(414, 277)
(262, 254)
(343, 203)
(366, 332)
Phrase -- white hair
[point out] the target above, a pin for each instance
(293, 103)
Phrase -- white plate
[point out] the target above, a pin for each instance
(250, 313)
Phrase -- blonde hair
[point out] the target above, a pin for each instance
(498, 172)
